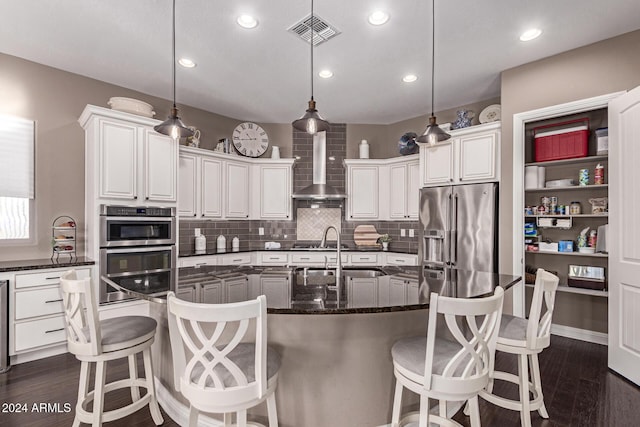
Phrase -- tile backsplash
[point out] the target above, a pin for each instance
(285, 232)
(312, 222)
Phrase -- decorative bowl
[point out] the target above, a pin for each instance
(130, 105)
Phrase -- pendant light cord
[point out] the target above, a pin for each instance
(173, 38)
(311, 43)
(433, 49)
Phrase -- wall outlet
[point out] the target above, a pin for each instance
(412, 233)
(260, 231)
(403, 232)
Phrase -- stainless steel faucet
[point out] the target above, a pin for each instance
(323, 244)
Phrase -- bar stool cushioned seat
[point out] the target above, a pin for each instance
(526, 338)
(454, 368)
(95, 341)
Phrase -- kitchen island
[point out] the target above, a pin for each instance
(336, 361)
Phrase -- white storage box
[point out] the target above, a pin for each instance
(548, 247)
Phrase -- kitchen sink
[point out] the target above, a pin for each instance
(363, 272)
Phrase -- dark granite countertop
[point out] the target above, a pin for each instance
(40, 264)
(292, 249)
(316, 293)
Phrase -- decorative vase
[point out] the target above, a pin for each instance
(464, 119)
(385, 246)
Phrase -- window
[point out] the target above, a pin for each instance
(16, 178)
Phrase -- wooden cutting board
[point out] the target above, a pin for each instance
(366, 235)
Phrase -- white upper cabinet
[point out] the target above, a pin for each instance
(160, 171)
(215, 185)
(471, 155)
(201, 183)
(126, 159)
(438, 163)
(362, 190)
(211, 185)
(383, 189)
(136, 163)
(237, 189)
(273, 189)
(188, 185)
(118, 157)
(404, 191)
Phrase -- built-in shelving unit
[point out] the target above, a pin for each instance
(565, 227)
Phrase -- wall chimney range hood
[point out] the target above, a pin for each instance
(319, 190)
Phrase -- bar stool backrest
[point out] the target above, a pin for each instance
(81, 315)
(539, 324)
(474, 324)
(202, 338)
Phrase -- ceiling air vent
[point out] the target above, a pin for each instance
(322, 30)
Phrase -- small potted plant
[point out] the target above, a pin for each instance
(385, 239)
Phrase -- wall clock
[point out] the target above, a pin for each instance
(250, 139)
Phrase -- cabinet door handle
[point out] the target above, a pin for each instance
(52, 278)
(52, 301)
(305, 258)
(135, 197)
(146, 198)
(399, 260)
(237, 260)
(195, 214)
(53, 330)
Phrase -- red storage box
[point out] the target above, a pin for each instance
(562, 143)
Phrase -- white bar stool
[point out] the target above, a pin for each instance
(95, 341)
(215, 368)
(444, 369)
(526, 338)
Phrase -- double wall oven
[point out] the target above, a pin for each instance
(136, 243)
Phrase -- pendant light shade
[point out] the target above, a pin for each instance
(173, 126)
(311, 122)
(433, 134)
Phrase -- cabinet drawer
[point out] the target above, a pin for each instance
(38, 333)
(236, 259)
(48, 278)
(38, 302)
(307, 258)
(401, 259)
(364, 259)
(280, 259)
(198, 261)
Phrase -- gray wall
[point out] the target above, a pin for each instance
(55, 99)
(608, 66)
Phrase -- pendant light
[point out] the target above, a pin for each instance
(173, 126)
(311, 122)
(433, 133)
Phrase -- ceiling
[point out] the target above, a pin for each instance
(263, 74)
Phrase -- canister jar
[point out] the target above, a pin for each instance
(575, 208)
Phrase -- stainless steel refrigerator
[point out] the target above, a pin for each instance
(458, 230)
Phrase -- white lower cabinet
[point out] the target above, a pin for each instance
(187, 293)
(397, 291)
(277, 289)
(403, 291)
(236, 289)
(36, 313)
(362, 292)
(212, 293)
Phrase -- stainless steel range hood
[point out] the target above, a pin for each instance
(319, 190)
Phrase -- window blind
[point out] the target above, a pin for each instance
(17, 157)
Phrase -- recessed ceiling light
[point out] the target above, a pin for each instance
(410, 78)
(247, 21)
(378, 18)
(186, 63)
(325, 74)
(531, 34)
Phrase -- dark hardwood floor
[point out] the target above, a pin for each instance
(579, 391)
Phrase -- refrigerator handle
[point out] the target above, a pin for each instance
(453, 255)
